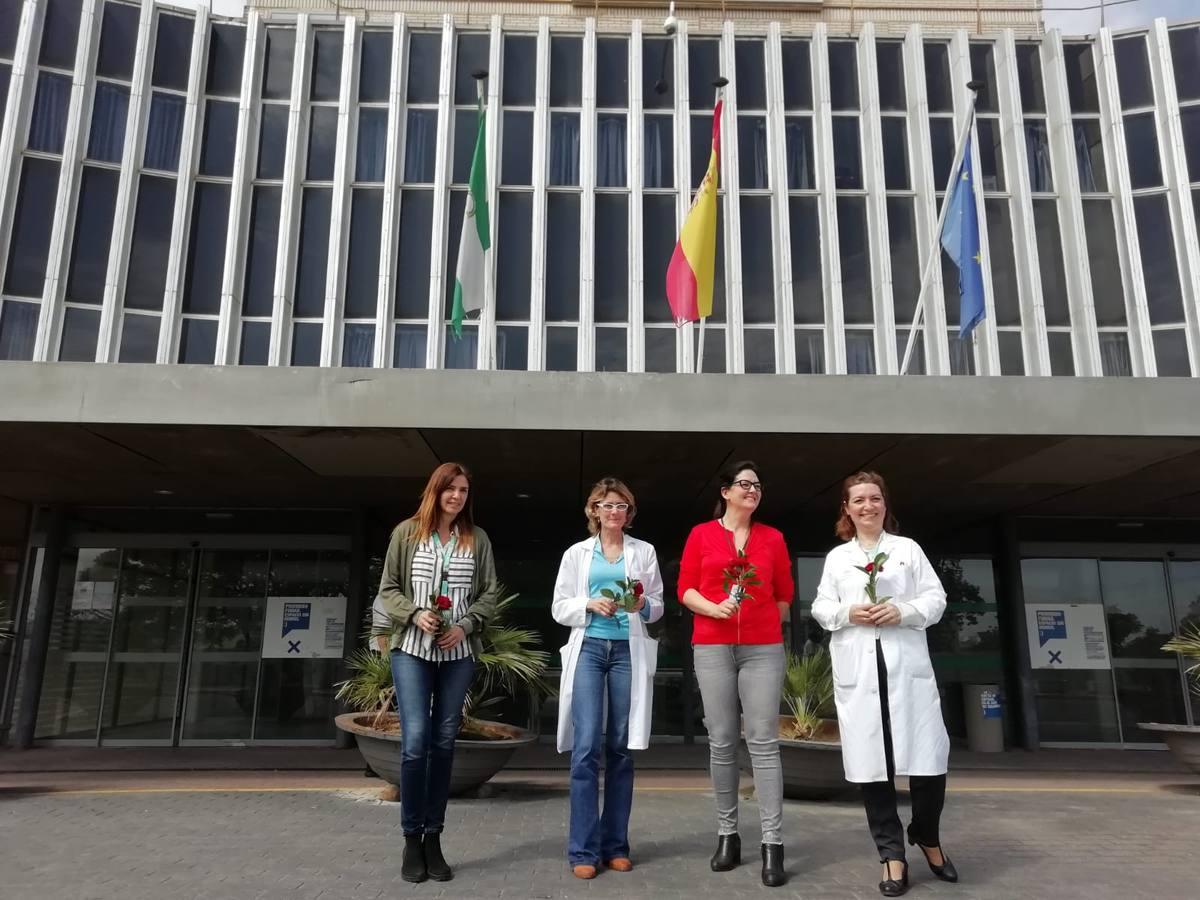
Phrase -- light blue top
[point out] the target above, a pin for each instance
(604, 574)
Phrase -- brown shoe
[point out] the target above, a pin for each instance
(585, 872)
(620, 864)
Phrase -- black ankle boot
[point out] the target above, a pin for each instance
(435, 863)
(412, 867)
(729, 853)
(772, 873)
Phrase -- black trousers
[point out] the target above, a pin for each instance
(928, 792)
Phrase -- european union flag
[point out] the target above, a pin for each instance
(960, 237)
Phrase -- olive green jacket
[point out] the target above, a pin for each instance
(396, 591)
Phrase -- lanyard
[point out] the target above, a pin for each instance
(445, 551)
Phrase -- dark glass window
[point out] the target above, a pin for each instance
(941, 139)
(226, 45)
(516, 160)
(854, 251)
(889, 57)
(326, 64)
(660, 349)
(937, 78)
(610, 350)
(1081, 78)
(277, 73)
(272, 140)
(512, 347)
(424, 63)
(1185, 58)
(752, 151)
(80, 330)
(1141, 144)
(1157, 246)
(612, 72)
(408, 351)
(798, 147)
(1114, 354)
(564, 149)
(358, 345)
(412, 266)
(983, 67)
(472, 56)
(1062, 357)
(1171, 354)
(701, 141)
(562, 257)
(462, 352)
(810, 352)
(48, 125)
(895, 153)
(375, 67)
(758, 267)
(704, 66)
(147, 278)
(1050, 261)
(1108, 294)
(198, 341)
(520, 69)
(1133, 72)
(32, 220)
(1189, 120)
(610, 150)
(173, 55)
(797, 75)
(420, 145)
(659, 139)
(805, 240)
(139, 339)
(1012, 357)
(1029, 76)
(118, 38)
(164, 132)
(362, 276)
(313, 253)
(322, 142)
(93, 226)
(5, 78)
(513, 261)
(306, 344)
(1004, 263)
(658, 242)
(991, 154)
(843, 75)
(18, 329)
(751, 75)
(371, 150)
(906, 274)
(206, 250)
(566, 71)
(759, 350)
(561, 349)
(10, 23)
(110, 110)
(60, 33)
(220, 131)
(1037, 152)
(847, 154)
(256, 344)
(611, 258)
(1089, 155)
(258, 298)
(860, 352)
(658, 76)
(465, 133)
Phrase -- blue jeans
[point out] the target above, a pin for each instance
(603, 666)
(429, 696)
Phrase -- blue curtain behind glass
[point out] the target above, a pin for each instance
(48, 126)
(164, 132)
(109, 113)
(564, 149)
(610, 151)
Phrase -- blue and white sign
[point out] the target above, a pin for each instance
(1067, 636)
(304, 628)
(989, 703)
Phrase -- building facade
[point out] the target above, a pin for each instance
(263, 209)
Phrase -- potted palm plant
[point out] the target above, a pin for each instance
(510, 666)
(809, 749)
(1183, 740)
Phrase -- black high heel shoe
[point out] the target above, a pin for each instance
(891, 887)
(729, 853)
(946, 871)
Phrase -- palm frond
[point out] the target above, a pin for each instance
(1187, 645)
(808, 692)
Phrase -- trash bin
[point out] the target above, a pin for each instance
(985, 721)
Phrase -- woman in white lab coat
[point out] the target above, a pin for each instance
(888, 708)
(608, 655)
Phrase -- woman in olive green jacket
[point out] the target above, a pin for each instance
(436, 595)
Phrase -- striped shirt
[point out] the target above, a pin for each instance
(438, 569)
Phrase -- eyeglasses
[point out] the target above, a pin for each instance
(613, 507)
(749, 486)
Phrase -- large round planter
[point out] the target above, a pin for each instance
(1183, 740)
(475, 761)
(812, 770)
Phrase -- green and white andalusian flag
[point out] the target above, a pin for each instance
(476, 236)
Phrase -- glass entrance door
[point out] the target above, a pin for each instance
(1185, 597)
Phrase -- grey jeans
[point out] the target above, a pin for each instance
(752, 673)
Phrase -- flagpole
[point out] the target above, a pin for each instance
(935, 251)
(719, 84)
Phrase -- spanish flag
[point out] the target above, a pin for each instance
(690, 274)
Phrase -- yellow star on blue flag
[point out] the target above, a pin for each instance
(960, 238)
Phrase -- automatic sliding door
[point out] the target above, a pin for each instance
(1185, 592)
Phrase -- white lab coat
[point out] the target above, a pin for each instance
(570, 609)
(919, 742)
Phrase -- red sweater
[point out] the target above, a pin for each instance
(708, 551)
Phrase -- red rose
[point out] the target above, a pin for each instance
(870, 567)
(443, 602)
(638, 590)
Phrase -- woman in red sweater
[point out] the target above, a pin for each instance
(736, 577)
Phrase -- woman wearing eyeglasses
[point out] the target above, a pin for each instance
(736, 577)
(609, 654)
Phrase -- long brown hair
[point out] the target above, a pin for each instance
(430, 510)
(845, 525)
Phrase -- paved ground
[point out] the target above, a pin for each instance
(238, 836)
